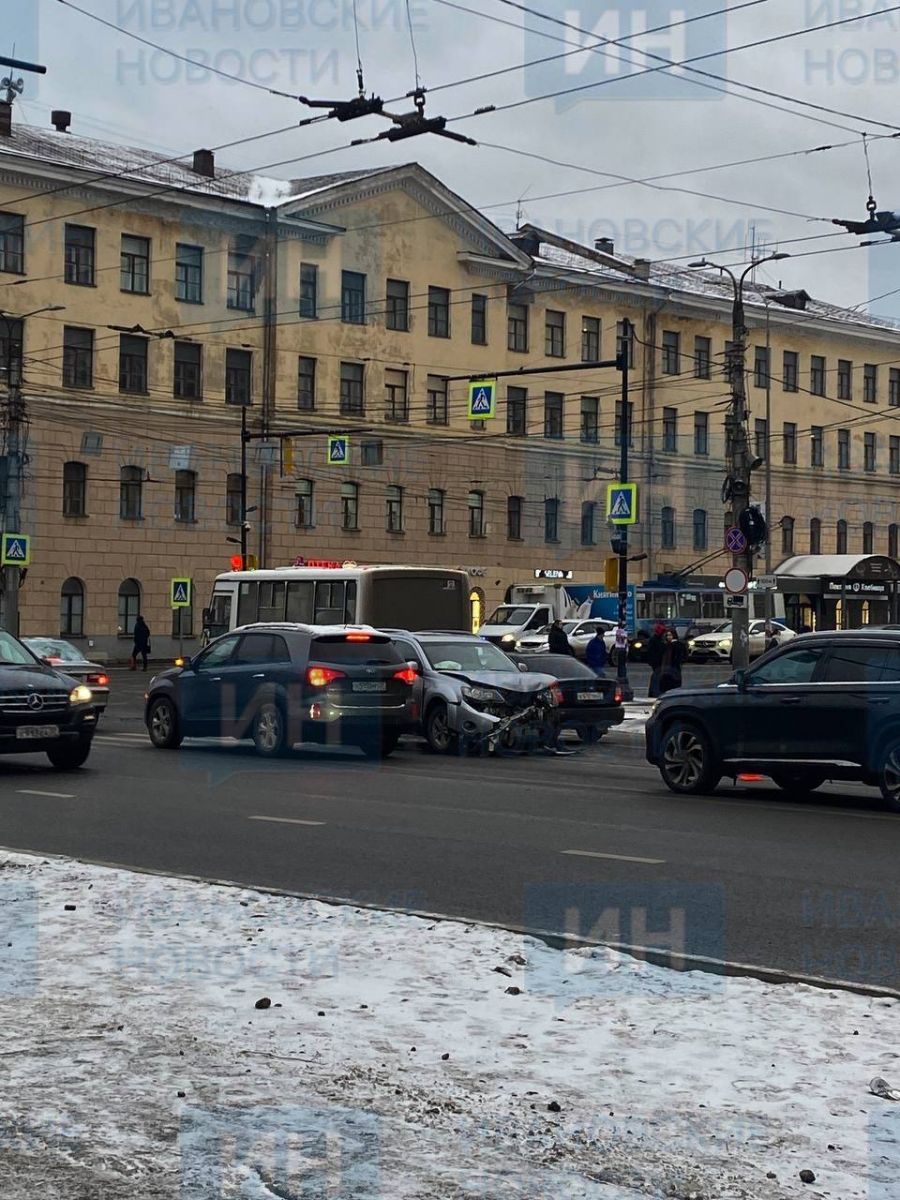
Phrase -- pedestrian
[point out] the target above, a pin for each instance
(654, 658)
(141, 643)
(558, 643)
(595, 654)
(772, 639)
(621, 645)
(670, 662)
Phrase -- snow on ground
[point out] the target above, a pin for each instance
(405, 1059)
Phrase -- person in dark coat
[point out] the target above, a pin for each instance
(654, 658)
(558, 643)
(670, 662)
(595, 656)
(141, 643)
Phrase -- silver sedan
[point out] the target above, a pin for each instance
(57, 652)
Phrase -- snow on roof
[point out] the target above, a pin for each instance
(810, 566)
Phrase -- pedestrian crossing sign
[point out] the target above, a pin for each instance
(622, 503)
(482, 399)
(16, 550)
(338, 451)
(180, 593)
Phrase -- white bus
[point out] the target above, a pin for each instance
(333, 593)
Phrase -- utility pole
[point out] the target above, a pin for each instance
(770, 597)
(623, 363)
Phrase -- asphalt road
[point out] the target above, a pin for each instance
(592, 844)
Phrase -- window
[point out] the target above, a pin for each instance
(353, 402)
(702, 357)
(438, 312)
(309, 290)
(353, 298)
(667, 529)
(860, 664)
(761, 438)
(396, 396)
(71, 608)
(870, 451)
(12, 243)
(131, 486)
(306, 384)
(840, 546)
(129, 606)
(870, 383)
(553, 415)
(894, 455)
(183, 621)
(187, 383)
(241, 281)
(78, 357)
(789, 442)
(514, 505)
(844, 379)
(815, 536)
(588, 522)
(787, 535)
(618, 423)
(517, 322)
(624, 344)
(437, 498)
(233, 499)
(132, 363)
(555, 334)
(79, 252)
(868, 538)
(817, 375)
(189, 273)
(790, 371)
(135, 264)
(476, 514)
(394, 509)
(350, 506)
(437, 400)
(590, 419)
(671, 352)
(893, 540)
(843, 450)
(185, 496)
(304, 496)
(372, 453)
(761, 371)
(11, 350)
(74, 489)
(479, 319)
(396, 305)
(701, 433)
(700, 529)
(590, 339)
(238, 367)
(817, 446)
(517, 412)
(792, 667)
(551, 519)
(894, 387)
(670, 430)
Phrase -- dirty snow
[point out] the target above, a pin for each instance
(405, 1059)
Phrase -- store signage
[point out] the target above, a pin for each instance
(853, 587)
(553, 573)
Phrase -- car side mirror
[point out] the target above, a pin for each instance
(207, 616)
(522, 666)
(739, 679)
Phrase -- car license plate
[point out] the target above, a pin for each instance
(370, 687)
(36, 732)
(587, 697)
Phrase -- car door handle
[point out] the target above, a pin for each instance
(881, 700)
(791, 699)
(261, 675)
(216, 679)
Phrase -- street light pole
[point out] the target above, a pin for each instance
(622, 530)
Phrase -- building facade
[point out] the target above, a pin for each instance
(168, 297)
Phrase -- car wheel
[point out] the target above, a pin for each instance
(800, 783)
(890, 779)
(688, 764)
(381, 747)
(162, 724)
(71, 756)
(269, 732)
(440, 737)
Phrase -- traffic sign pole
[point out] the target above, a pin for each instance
(622, 530)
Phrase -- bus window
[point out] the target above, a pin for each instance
(350, 602)
(330, 602)
(271, 600)
(247, 603)
(300, 601)
(219, 614)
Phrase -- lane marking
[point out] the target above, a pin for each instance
(286, 820)
(52, 795)
(650, 862)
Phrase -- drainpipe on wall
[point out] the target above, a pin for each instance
(648, 403)
(270, 374)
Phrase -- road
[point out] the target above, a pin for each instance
(593, 844)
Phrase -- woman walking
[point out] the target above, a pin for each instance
(670, 662)
(141, 643)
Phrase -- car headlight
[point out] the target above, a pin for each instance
(482, 695)
(81, 695)
(507, 640)
(637, 645)
(724, 645)
(691, 644)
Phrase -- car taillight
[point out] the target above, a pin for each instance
(322, 676)
(98, 680)
(557, 693)
(408, 675)
(617, 695)
(359, 637)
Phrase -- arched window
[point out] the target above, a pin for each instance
(841, 542)
(700, 535)
(71, 608)
(868, 538)
(131, 486)
(815, 536)
(667, 529)
(787, 535)
(129, 605)
(476, 608)
(74, 489)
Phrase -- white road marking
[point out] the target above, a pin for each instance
(52, 795)
(650, 862)
(286, 820)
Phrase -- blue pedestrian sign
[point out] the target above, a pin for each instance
(338, 451)
(16, 550)
(622, 503)
(482, 399)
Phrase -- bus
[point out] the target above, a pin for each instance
(321, 592)
(664, 602)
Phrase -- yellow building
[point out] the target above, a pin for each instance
(168, 295)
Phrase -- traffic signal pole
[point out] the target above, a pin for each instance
(622, 362)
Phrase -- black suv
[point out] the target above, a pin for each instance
(279, 684)
(822, 706)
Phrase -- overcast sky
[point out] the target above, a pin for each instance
(647, 125)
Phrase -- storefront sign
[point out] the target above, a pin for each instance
(851, 588)
(553, 573)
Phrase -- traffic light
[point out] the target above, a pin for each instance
(248, 562)
(237, 562)
(619, 545)
(611, 578)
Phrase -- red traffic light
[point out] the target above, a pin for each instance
(237, 562)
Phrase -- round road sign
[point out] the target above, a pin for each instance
(735, 581)
(735, 542)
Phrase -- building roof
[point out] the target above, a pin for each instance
(813, 566)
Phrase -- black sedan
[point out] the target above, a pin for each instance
(591, 704)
